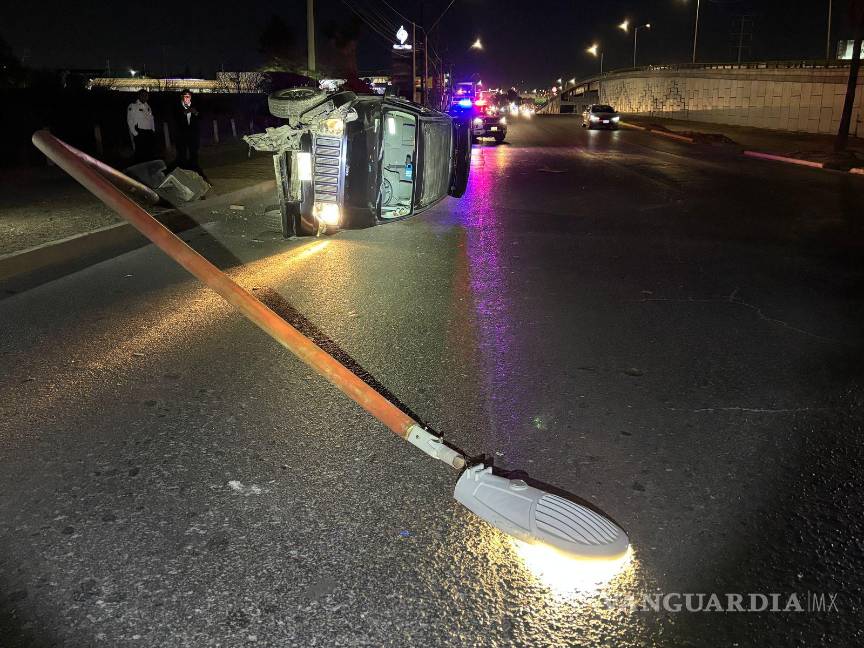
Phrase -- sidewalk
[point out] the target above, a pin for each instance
(39, 205)
(805, 146)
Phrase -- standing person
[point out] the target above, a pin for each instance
(187, 134)
(142, 127)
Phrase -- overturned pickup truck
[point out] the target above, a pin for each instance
(350, 161)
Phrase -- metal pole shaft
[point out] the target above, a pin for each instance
(425, 68)
(828, 36)
(77, 165)
(413, 62)
(696, 31)
(310, 35)
(635, 34)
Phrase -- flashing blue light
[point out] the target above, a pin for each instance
(465, 103)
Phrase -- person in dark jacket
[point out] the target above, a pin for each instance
(187, 134)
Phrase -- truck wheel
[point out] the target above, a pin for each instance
(291, 103)
(499, 138)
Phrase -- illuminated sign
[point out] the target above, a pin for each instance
(401, 36)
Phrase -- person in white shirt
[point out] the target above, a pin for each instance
(142, 127)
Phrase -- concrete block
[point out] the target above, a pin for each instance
(795, 89)
(760, 88)
(816, 90)
(825, 118)
(792, 125)
(746, 89)
(827, 100)
(813, 112)
(794, 112)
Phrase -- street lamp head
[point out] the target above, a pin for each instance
(572, 81)
(648, 25)
(593, 49)
(477, 44)
(624, 26)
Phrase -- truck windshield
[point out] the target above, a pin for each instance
(397, 165)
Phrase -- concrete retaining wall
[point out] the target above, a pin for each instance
(806, 100)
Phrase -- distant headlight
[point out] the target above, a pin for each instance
(478, 121)
(503, 121)
(593, 118)
(327, 213)
(616, 118)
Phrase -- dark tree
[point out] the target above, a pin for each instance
(279, 46)
(340, 58)
(12, 73)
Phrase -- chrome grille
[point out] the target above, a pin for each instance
(327, 173)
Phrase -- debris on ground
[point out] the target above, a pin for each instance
(182, 185)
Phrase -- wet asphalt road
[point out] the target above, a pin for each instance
(670, 331)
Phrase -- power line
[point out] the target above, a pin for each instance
(370, 23)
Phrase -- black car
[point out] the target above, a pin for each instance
(489, 125)
(600, 116)
(349, 161)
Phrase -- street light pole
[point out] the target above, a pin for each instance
(310, 35)
(696, 30)
(828, 37)
(414, 63)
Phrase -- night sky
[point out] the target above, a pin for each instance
(527, 43)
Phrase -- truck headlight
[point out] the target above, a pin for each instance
(503, 121)
(327, 213)
(304, 166)
(478, 121)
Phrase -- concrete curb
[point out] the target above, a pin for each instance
(675, 136)
(656, 131)
(783, 158)
(37, 265)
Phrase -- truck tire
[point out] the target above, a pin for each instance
(291, 103)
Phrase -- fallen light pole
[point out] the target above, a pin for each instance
(511, 505)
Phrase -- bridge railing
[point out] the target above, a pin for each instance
(786, 64)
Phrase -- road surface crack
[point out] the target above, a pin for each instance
(732, 299)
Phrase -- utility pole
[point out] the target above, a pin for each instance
(310, 35)
(828, 37)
